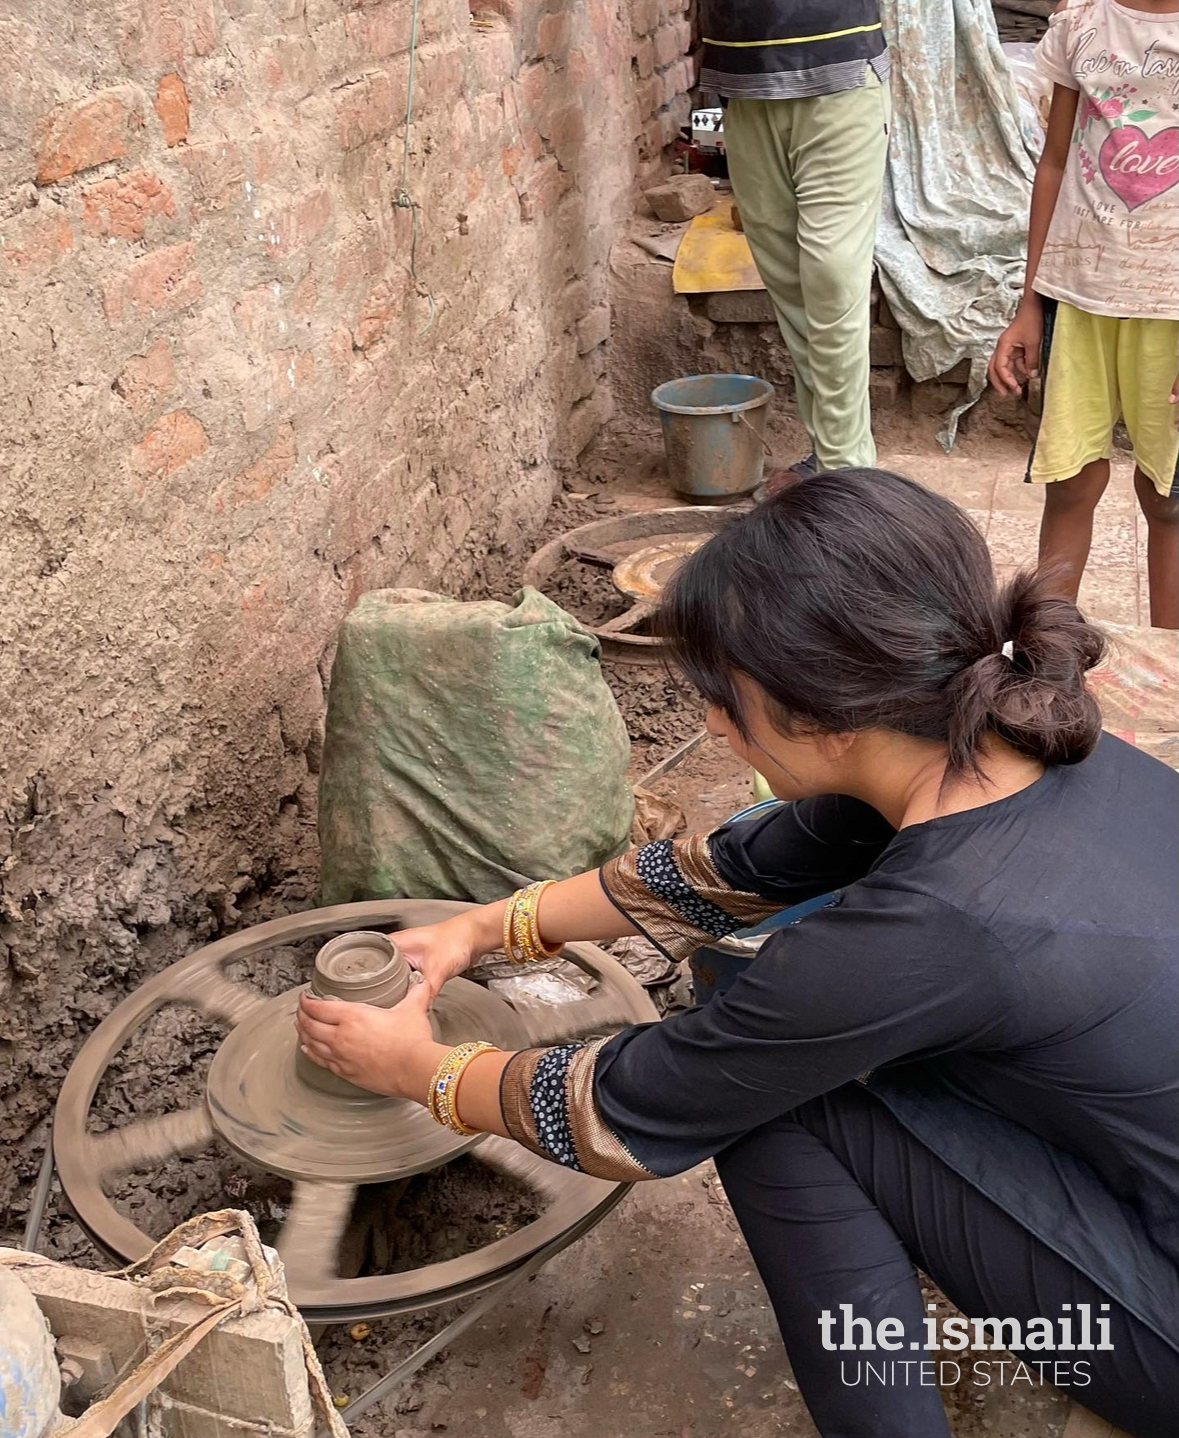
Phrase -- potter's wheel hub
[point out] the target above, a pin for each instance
(328, 1138)
(262, 1106)
(641, 551)
(646, 573)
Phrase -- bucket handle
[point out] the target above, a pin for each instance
(738, 417)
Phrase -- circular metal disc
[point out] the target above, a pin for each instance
(645, 573)
(268, 1114)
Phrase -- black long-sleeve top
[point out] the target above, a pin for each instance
(1006, 979)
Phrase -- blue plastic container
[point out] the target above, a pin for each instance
(714, 433)
(716, 967)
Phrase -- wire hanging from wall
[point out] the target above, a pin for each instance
(403, 199)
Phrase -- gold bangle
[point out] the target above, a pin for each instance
(513, 947)
(522, 941)
(534, 922)
(443, 1091)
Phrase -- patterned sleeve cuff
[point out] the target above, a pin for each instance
(547, 1097)
(672, 891)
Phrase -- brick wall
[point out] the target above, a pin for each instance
(664, 71)
(229, 409)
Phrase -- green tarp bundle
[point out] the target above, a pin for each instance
(469, 749)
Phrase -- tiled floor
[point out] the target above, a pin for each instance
(1008, 513)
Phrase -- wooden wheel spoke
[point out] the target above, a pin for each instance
(151, 1141)
(560, 1023)
(633, 617)
(221, 997)
(309, 1243)
(549, 1180)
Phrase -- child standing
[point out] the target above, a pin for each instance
(1099, 316)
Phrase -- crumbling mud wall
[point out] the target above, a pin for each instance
(257, 359)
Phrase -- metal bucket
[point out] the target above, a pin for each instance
(714, 433)
(717, 966)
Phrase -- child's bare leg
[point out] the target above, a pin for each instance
(1162, 551)
(1066, 531)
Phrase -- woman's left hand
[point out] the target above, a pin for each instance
(388, 1051)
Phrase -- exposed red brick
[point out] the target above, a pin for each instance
(294, 62)
(255, 482)
(371, 109)
(291, 370)
(644, 16)
(37, 240)
(162, 282)
(543, 190)
(202, 30)
(381, 32)
(83, 133)
(493, 59)
(174, 440)
(298, 225)
(553, 33)
(216, 172)
(305, 296)
(153, 34)
(119, 207)
(147, 379)
(532, 91)
(565, 130)
(440, 76)
(380, 307)
(670, 43)
(359, 256)
(172, 109)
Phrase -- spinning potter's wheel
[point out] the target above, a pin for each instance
(641, 551)
(267, 1104)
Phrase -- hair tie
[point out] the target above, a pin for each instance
(1008, 650)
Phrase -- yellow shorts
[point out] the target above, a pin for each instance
(1095, 369)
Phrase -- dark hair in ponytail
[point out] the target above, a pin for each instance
(858, 599)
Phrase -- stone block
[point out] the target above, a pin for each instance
(681, 197)
(884, 346)
(249, 1371)
(884, 388)
(885, 316)
(740, 307)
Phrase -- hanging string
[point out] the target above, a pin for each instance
(403, 199)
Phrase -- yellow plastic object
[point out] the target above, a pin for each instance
(714, 256)
(761, 790)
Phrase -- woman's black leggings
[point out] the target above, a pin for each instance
(838, 1202)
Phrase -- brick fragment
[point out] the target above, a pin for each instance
(553, 33)
(215, 169)
(162, 282)
(593, 329)
(681, 197)
(147, 379)
(120, 207)
(173, 441)
(171, 107)
(255, 482)
(80, 134)
(739, 307)
(884, 388)
(884, 346)
(36, 240)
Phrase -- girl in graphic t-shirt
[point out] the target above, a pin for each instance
(1099, 316)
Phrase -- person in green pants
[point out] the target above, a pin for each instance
(806, 133)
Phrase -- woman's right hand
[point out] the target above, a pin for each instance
(1017, 354)
(441, 951)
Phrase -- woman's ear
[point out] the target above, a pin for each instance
(836, 747)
